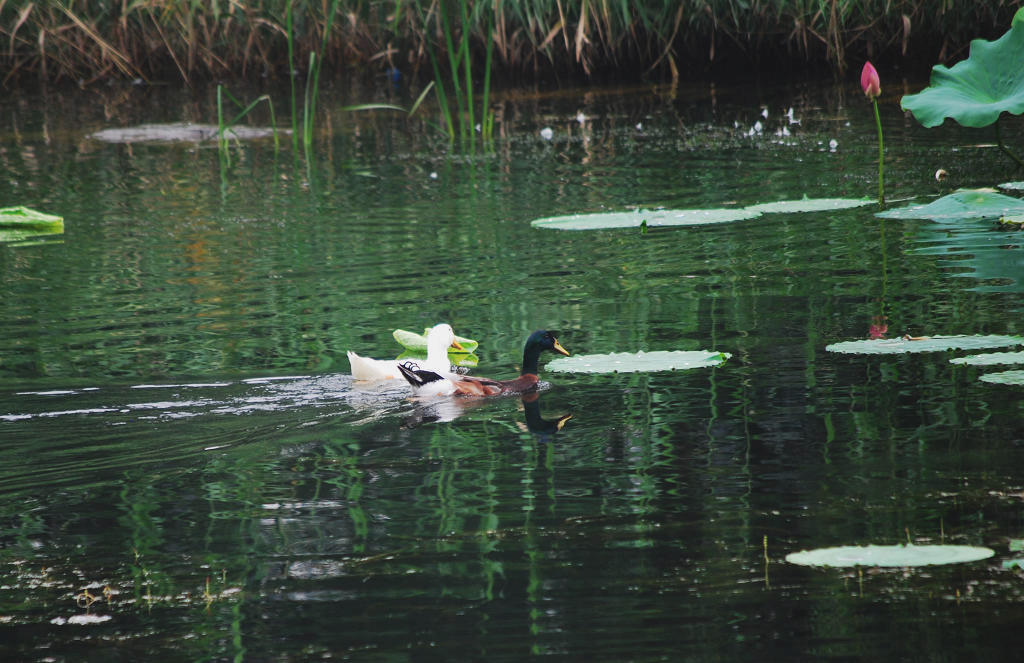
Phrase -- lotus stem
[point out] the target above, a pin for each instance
(1004, 148)
(881, 156)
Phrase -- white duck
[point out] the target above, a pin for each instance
(439, 339)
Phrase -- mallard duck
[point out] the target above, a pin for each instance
(439, 339)
(432, 383)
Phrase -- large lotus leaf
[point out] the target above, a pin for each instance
(990, 359)
(416, 347)
(180, 132)
(909, 555)
(975, 91)
(889, 346)
(963, 204)
(810, 205)
(638, 362)
(24, 218)
(653, 218)
(1006, 377)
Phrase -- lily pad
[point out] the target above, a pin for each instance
(648, 218)
(636, 362)
(24, 218)
(810, 205)
(975, 91)
(416, 347)
(691, 217)
(22, 225)
(180, 132)
(909, 555)
(1011, 186)
(1006, 377)
(964, 204)
(990, 359)
(923, 344)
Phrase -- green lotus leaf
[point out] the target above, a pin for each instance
(23, 218)
(909, 555)
(416, 344)
(975, 91)
(645, 218)
(923, 344)
(638, 362)
(990, 359)
(1006, 377)
(810, 205)
(963, 204)
(1011, 186)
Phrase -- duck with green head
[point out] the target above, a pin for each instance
(429, 383)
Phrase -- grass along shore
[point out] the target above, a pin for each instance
(84, 41)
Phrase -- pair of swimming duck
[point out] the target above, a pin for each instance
(434, 377)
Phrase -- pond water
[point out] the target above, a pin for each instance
(188, 472)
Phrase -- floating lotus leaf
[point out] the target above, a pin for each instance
(22, 225)
(1012, 186)
(691, 217)
(811, 205)
(416, 347)
(634, 219)
(1006, 377)
(887, 346)
(990, 359)
(638, 362)
(975, 91)
(180, 132)
(908, 555)
(964, 204)
(23, 218)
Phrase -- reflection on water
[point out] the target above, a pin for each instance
(189, 473)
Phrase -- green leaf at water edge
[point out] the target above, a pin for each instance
(24, 218)
(975, 91)
(923, 344)
(964, 204)
(909, 555)
(635, 362)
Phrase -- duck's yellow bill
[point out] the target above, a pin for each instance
(559, 349)
(455, 344)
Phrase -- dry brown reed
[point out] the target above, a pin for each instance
(88, 40)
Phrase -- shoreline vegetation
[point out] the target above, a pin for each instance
(83, 42)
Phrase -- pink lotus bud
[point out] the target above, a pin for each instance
(869, 81)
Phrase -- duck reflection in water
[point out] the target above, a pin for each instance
(447, 409)
(543, 428)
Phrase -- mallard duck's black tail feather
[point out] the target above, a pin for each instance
(417, 376)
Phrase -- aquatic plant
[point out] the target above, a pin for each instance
(454, 85)
(872, 87)
(977, 91)
(89, 40)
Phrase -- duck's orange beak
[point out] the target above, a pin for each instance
(559, 349)
(455, 344)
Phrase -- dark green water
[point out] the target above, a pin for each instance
(181, 445)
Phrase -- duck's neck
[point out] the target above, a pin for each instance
(531, 355)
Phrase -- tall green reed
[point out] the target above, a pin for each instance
(454, 86)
